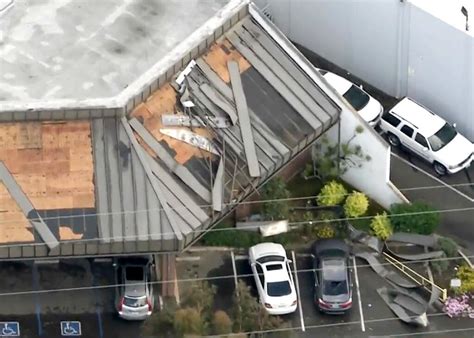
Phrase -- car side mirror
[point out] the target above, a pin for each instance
(425, 149)
(361, 87)
(454, 125)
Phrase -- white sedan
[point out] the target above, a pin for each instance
(369, 108)
(272, 273)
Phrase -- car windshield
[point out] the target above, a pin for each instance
(270, 258)
(442, 137)
(134, 302)
(278, 289)
(134, 273)
(356, 97)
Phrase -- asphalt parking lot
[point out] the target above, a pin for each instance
(369, 318)
(40, 314)
(453, 194)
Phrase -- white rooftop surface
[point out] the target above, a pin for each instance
(449, 11)
(86, 49)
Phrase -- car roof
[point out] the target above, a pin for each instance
(424, 120)
(334, 269)
(340, 84)
(330, 247)
(266, 249)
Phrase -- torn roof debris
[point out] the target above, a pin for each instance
(181, 160)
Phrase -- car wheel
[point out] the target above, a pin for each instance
(439, 168)
(393, 140)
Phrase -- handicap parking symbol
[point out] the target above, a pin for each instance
(70, 328)
(9, 329)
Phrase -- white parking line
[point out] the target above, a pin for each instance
(298, 292)
(432, 177)
(362, 322)
(235, 270)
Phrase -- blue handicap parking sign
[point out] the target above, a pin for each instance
(70, 328)
(9, 329)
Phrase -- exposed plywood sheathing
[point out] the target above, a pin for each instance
(163, 101)
(51, 162)
(27, 208)
(221, 53)
(14, 226)
(66, 233)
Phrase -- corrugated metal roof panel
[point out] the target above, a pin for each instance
(113, 179)
(101, 185)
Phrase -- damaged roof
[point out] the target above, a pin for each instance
(189, 154)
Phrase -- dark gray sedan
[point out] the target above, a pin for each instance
(332, 276)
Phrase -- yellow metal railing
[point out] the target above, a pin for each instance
(416, 277)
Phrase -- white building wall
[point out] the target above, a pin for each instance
(373, 177)
(393, 45)
(440, 71)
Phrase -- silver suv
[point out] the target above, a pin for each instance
(427, 135)
(134, 297)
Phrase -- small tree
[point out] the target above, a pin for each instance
(381, 226)
(188, 321)
(417, 217)
(356, 204)
(332, 193)
(200, 296)
(331, 160)
(249, 315)
(275, 189)
(449, 247)
(221, 322)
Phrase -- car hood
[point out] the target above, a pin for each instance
(371, 110)
(455, 151)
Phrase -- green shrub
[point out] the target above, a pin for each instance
(249, 314)
(188, 321)
(466, 275)
(231, 237)
(307, 228)
(441, 265)
(200, 296)
(356, 204)
(332, 193)
(449, 247)
(275, 189)
(417, 217)
(325, 231)
(381, 226)
(160, 323)
(221, 322)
